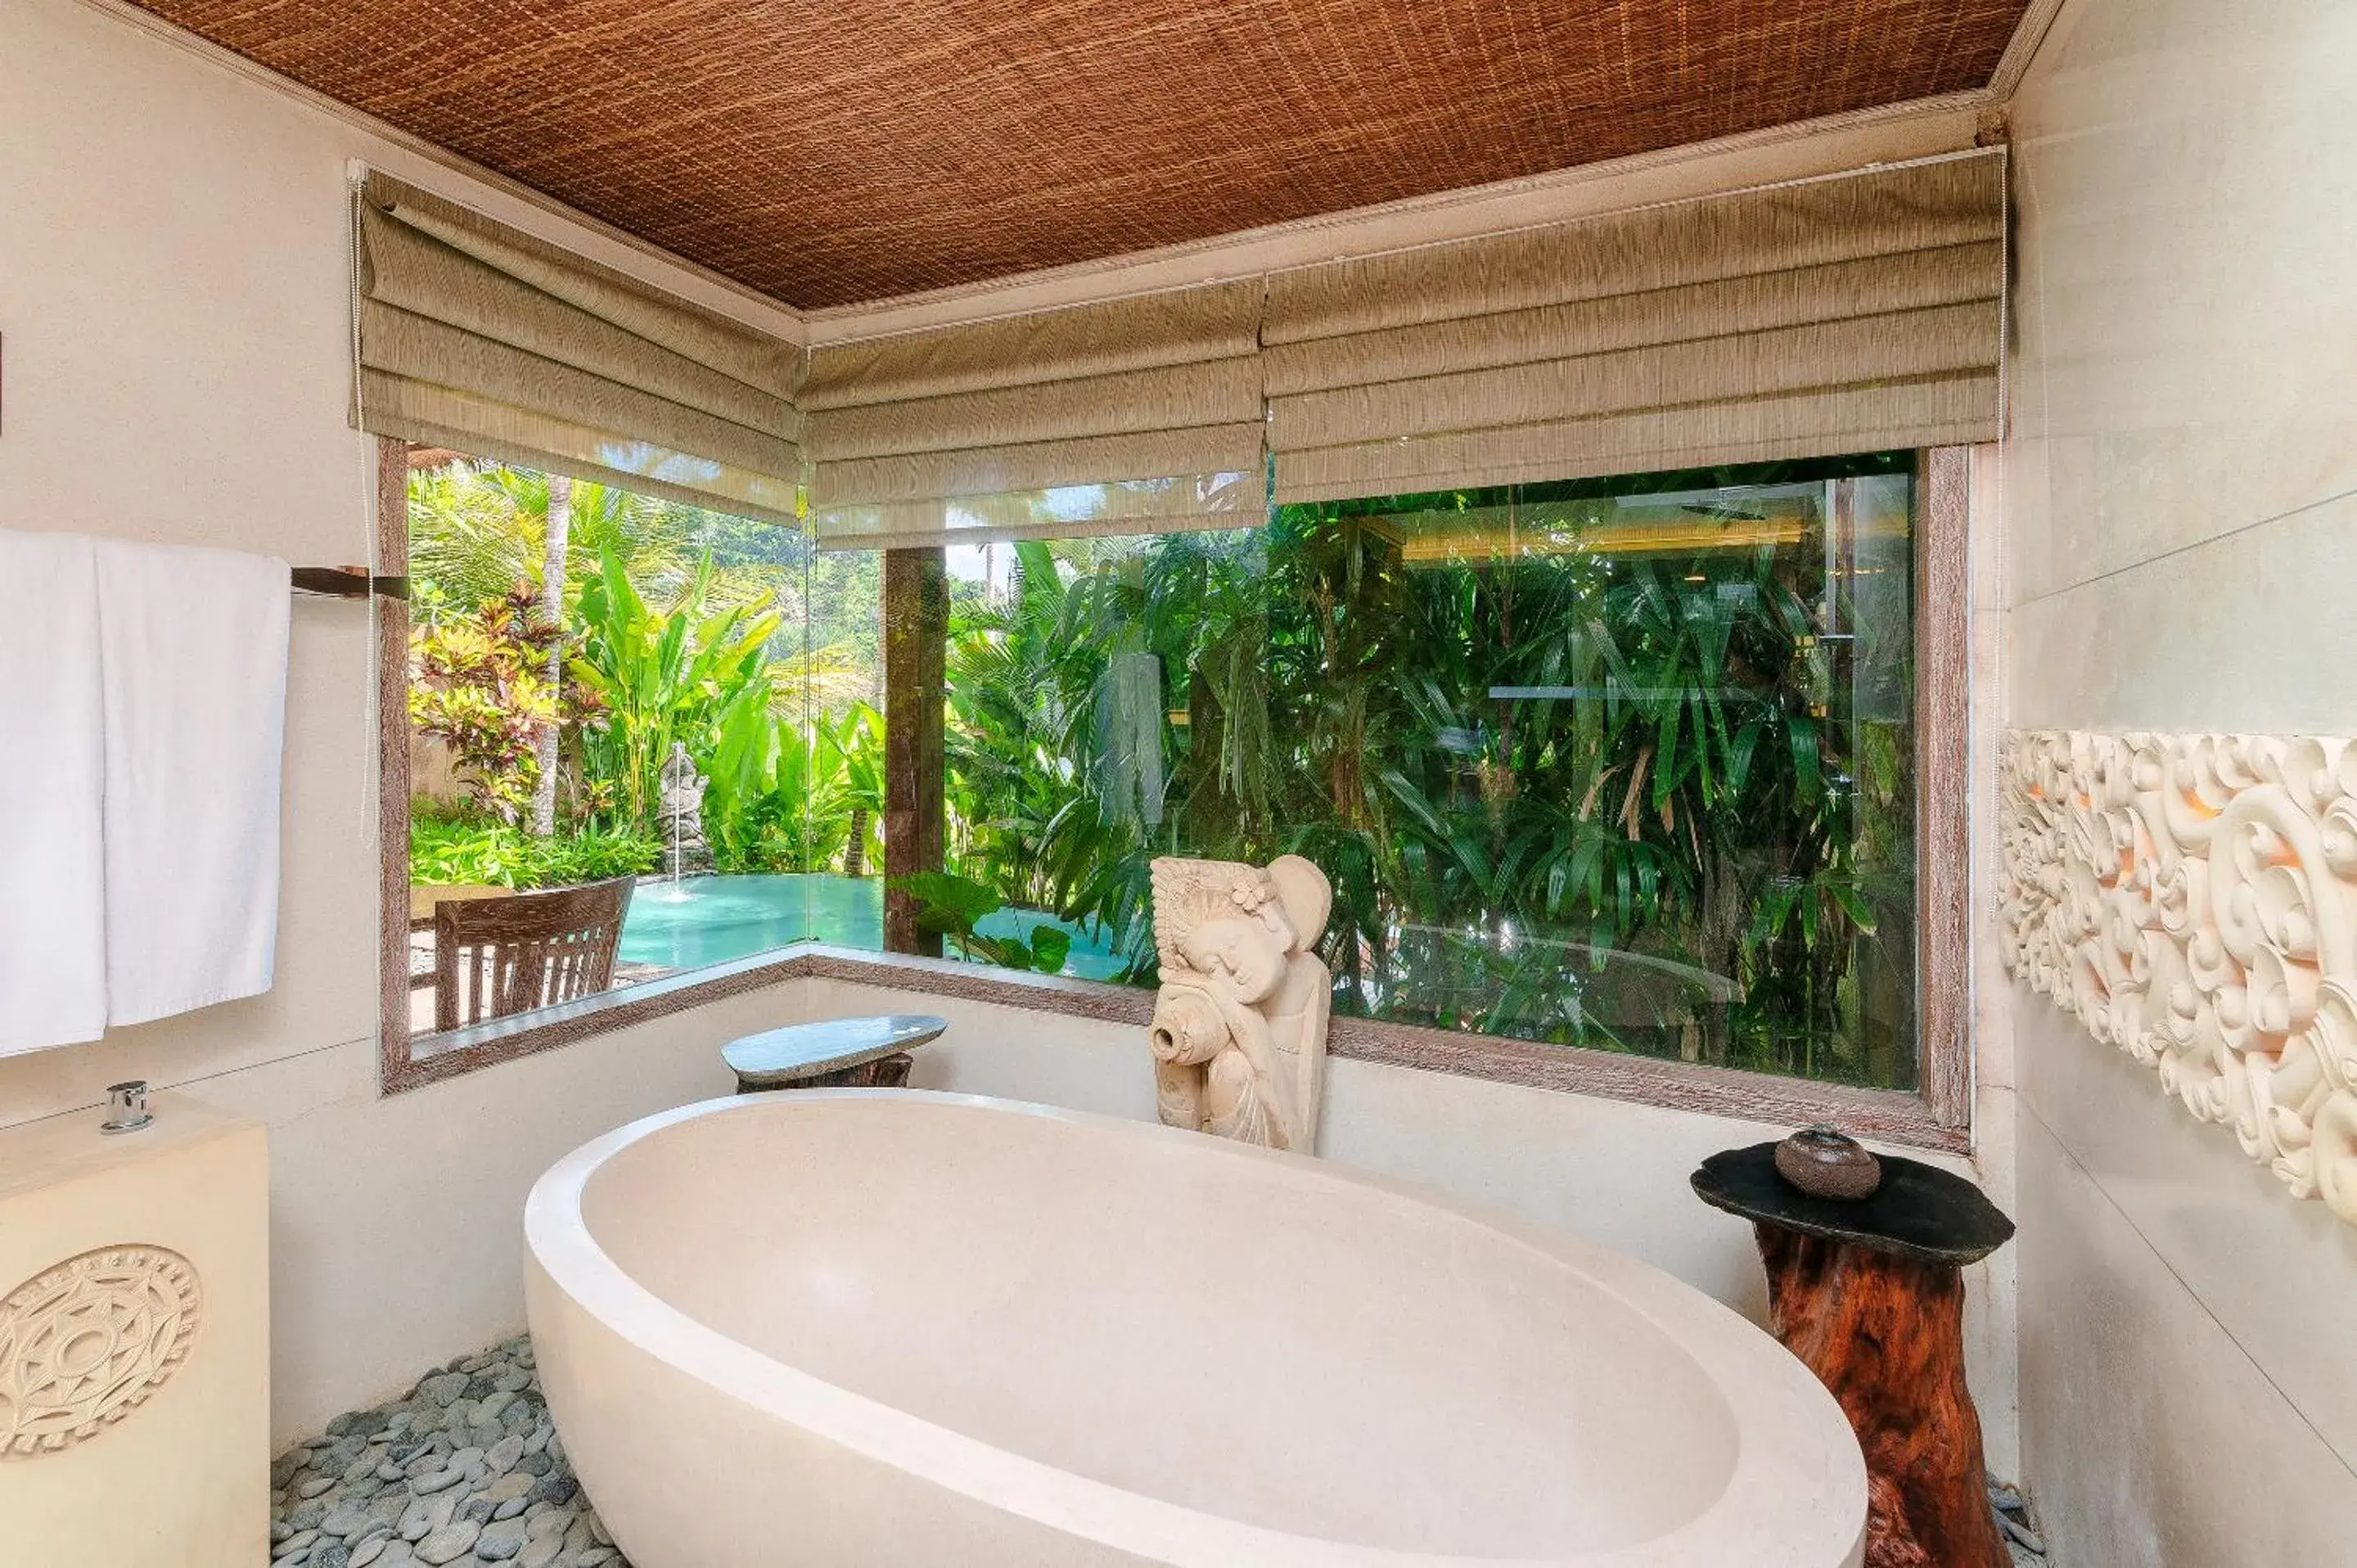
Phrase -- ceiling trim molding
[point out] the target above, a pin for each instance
(749, 306)
(2030, 35)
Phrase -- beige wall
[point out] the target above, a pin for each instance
(2181, 490)
(172, 291)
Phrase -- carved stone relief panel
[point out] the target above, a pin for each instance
(87, 1341)
(2192, 900)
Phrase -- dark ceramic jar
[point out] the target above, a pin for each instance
(1823, 1162)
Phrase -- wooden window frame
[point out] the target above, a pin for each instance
(1936, 1116)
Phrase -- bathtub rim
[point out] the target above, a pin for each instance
(1780, 1440)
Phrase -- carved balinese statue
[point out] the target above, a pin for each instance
(1239, 1031)
(683, 814)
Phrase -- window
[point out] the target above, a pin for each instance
(1616, 780)
(1625, 765)
(683, 633)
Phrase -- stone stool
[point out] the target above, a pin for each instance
(1868, 1292)
(870, 1053)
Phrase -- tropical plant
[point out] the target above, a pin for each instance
(556, 527)
(951, 906)
(479, 685)
(1568, 784)
(664, 677)
(1035, 808)
(793, 794)
(1575, 792)
(450, 852)
(476, 530)
(857, 740)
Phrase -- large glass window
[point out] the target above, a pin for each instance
(1624, 763)
(1621, 764)
(710, 734)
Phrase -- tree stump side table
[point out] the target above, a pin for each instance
(836, 1053)
(1869, 1296)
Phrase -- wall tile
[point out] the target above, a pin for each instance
(2254, 632)
(2277, 1276)
(2187, 203)
(2150, 1439)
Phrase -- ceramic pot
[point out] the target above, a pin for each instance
(1823, 1162)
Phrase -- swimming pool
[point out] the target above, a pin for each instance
(710, 919)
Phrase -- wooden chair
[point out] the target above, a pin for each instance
(493, 957)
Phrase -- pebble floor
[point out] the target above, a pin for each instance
(466, 1468)
(2021, 1539)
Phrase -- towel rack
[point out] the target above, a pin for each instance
(348, 583)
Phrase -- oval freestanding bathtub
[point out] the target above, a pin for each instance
(871, 1327)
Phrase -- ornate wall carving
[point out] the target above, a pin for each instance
(84, 1343)
(2192, 899)
(1239, 1029)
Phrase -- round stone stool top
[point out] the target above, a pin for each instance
(780, 1058)
(1920, 1211)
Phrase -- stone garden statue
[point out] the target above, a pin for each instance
(683, 815)
(1238, 1030)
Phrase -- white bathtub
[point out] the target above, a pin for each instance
(872, 1326)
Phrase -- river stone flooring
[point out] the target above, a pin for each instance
(2021, 1540)
(465, 1468)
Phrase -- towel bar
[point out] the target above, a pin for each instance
(348, 583)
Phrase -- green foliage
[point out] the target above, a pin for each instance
(789, 794)
(1575, 792)
(455, 851)
(477, 531)
(663, 677)
(951, 906)
(478, 683)
(1570, 782)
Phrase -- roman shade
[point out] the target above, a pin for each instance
(476, 336)
(1857, 313)
(1131, 415)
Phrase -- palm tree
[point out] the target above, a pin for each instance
(476, 530)
(556, 527)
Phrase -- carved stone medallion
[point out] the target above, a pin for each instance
(84, 1343)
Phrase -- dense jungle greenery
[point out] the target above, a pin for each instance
(1639, 784)
(680, 627)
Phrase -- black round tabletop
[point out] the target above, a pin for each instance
(1920, 1211)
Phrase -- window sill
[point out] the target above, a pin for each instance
(1887, 1116)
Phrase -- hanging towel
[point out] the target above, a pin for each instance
(193, 669)
(52, 879)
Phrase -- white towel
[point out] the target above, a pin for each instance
(52, 879)
(193, 667)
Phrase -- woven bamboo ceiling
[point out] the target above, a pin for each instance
(850, 150)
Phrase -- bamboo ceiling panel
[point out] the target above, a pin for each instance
(826, 154)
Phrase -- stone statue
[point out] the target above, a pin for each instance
(1238, 1030)
(685, 850)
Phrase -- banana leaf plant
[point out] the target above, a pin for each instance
(663, 676)
(791, 794)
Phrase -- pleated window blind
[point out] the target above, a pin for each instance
(1131, 417)
(1843, 314)
(482, 338)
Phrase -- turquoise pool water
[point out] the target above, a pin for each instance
(711, 920)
